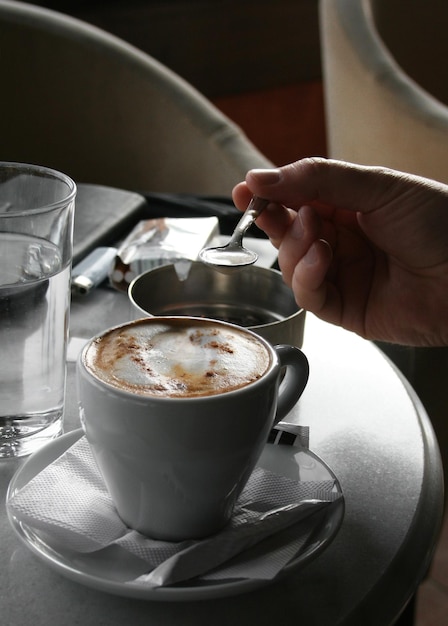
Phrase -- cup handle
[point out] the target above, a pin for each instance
(294, 381)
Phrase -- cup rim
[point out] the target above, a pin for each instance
(51, 173)
(103, 384)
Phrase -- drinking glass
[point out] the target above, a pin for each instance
(36, 241)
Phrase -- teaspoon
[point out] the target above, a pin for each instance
(234, 256)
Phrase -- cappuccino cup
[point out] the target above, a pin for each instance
(177, 411)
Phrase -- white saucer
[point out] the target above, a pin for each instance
(112, 570)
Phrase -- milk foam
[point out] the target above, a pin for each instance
(177, 358)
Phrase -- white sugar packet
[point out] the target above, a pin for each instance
(69, 502)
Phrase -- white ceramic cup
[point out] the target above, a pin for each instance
(175, 466)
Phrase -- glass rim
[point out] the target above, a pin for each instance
(51, 173)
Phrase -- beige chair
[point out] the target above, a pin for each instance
(386, 87)
(85, 102)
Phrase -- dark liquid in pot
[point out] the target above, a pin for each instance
(223, 312)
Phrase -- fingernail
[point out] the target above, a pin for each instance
(266, 177)
(312, 256)
(297, 227)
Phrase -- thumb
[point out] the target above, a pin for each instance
(329, 182)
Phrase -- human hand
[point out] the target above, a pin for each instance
(362, 247)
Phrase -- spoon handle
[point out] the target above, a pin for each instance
(255, 207)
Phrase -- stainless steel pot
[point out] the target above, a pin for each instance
(255, 297)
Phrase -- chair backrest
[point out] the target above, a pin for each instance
(375, 53)
(83, 101)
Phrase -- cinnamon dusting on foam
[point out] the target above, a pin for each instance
(177, 358)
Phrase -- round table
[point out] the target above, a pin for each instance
(365, 422)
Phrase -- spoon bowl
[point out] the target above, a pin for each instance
(228, 258)
(234, 256)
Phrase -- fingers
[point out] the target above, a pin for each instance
(241, 195)
(274, 220)
(304, 257)
(297, 239)
(310, 287)
(305, 260)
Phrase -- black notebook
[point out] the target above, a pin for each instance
(103, 215)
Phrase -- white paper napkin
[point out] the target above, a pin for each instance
(272, 522)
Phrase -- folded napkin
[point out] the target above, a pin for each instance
(271, 524)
